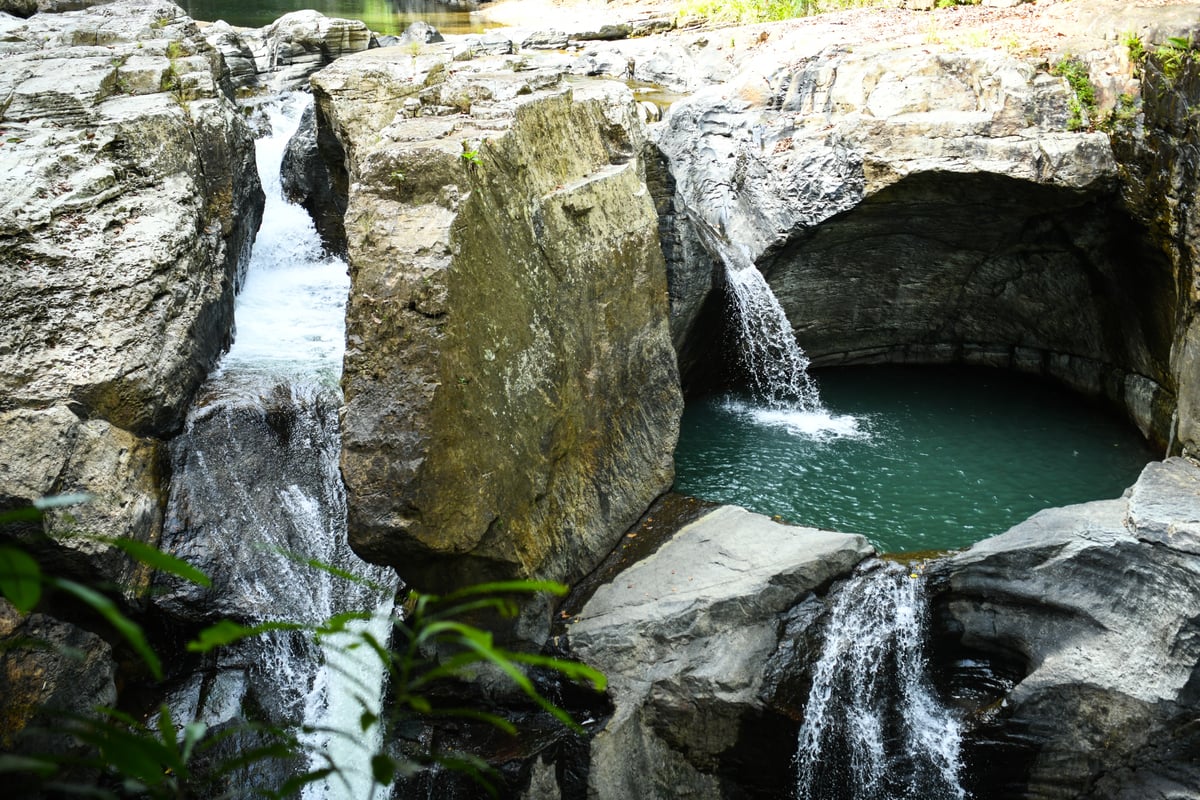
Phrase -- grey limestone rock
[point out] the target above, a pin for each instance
(684, 637)
(512, 401)
(1098, 612)
(128, 201)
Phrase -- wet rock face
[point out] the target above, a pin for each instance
(512, 400)
(1094, 613)
(233, 522)
(129, 200)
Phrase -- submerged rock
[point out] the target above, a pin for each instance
(1094, 615)
(512, 401)
(684, 637)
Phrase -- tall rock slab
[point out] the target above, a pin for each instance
(128, 201)
(512, 399)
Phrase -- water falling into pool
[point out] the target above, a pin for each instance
(873, 728)
(775, 365)
(257, 495)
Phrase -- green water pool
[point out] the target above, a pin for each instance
(913, 458)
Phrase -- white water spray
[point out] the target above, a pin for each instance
(873, 729)
(282, 374)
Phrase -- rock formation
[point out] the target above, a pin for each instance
(281, 56)
(932, 205)
(1092, 610)
(512, 401)
(128, 201)
(684, 637)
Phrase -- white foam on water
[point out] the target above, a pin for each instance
(818, 424)
(290, 313)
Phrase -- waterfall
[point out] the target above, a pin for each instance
(873, 729)
(257, 495)
(784, 394)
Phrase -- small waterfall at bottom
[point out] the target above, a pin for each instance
(873, 728)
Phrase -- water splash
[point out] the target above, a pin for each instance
(873, 729)
(290, 315)
(258, 488)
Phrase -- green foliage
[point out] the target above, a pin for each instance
(1137, 50)
(746, 11)
(155, 758)
(1082, 104)
(1173, 54)
(472, 157)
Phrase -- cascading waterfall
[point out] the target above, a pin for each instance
(775, 364)
(873, 729)
(257, 492)
(784, 394)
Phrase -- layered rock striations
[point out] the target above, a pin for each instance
(928, 204)
(128, 202)
(1091, 610)
(1161, 186)
(512, 399)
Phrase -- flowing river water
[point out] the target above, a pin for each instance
(257, 499)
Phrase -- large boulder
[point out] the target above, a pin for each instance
(512, 400)
(1091, 611)
(684, 637)
(128, 202)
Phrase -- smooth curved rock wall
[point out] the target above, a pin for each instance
(919, 205)
(1095, 607)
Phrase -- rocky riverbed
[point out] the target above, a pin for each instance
(530, 300)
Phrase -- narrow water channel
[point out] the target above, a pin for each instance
(257, 499)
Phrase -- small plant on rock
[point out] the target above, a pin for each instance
(1082, 103)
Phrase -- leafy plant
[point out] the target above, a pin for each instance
(1137, 50)
(1082, 103)
(472, 157)
(432, 643)
(1173, 54)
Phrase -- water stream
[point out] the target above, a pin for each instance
(257, 495)
(873, 729)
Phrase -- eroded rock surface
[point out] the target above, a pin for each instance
(924, 204)
(281, 56)
(512, 400)
(1096, 613)
(128, 201)
(684, 637)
